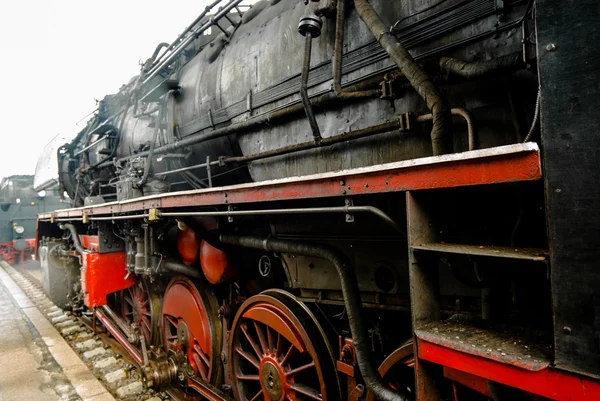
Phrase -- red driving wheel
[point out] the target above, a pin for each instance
(190, 325)
(278, 352)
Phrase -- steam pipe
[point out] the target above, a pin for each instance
(481, 69)
(75, 235)
(352, 301)
(177, 267)
(252, 123)
(471, 133)
(308, 210)
(158, 66)
(160, 46)
(144, 178)
(304, 89)
(337, 59)
(441, 139)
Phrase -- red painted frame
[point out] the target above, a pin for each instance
(549, 382)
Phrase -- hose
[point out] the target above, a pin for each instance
(352, 301)
(74, 236)
(536, 116)
(482, 69)
(441, 138)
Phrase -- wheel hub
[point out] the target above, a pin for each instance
(182, 333)
(271, 381)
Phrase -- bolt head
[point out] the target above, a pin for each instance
(551, 47)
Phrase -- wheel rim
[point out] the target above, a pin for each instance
(138, 308)
(397, 370)
(277, 354)
(190, 326)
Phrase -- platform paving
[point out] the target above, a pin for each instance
(36, 363)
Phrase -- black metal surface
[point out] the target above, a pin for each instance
(569, 68)
(108, 241)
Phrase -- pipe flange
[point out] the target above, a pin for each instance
(310, 24)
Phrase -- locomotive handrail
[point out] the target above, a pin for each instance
(180, 47)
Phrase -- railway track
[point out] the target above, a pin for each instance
(105, 358)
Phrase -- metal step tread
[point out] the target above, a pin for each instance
(524, 348)
(531, 254)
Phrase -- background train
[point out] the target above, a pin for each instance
(346, 199)
(20, 205)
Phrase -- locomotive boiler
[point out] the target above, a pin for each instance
(345, 199)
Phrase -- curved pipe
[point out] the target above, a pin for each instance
(441, 138)
(471, 133)
(157, 50)
(304, 90)
(75, 236)
(352, 301)
(481, 69)
(337, 59)
(142, 181)
(177, 267)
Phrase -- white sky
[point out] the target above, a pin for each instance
(57, 56)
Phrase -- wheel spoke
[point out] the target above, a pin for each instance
(288, 354)
(248, 357)
(278, 348)
(300, 369)
(202, 354)
(257, 396)
(250, 340)
(305, 390)
(261, 338)
(247, 377)
(270, 339)
(200, 366)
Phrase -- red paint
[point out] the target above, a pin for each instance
(183, 307)
(103, 274)
(523, 165)
(90, 242)
(188, 246)
(549, 382)
(10, 255)
(475, 383)
(216, 264)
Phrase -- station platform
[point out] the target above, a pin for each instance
(36, 363)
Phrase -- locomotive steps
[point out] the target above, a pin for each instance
(96, 371)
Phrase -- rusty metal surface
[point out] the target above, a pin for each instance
(534, 255)
(511, 163)
(522, 348)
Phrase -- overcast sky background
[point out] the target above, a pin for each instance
(57, 56)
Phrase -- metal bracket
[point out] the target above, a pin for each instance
(349, 216)
(249, 102)
(405, 122)
(210, 119)
(230, 218)
(153, 214)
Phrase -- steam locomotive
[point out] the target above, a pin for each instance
(19, 207)
(346, 199)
